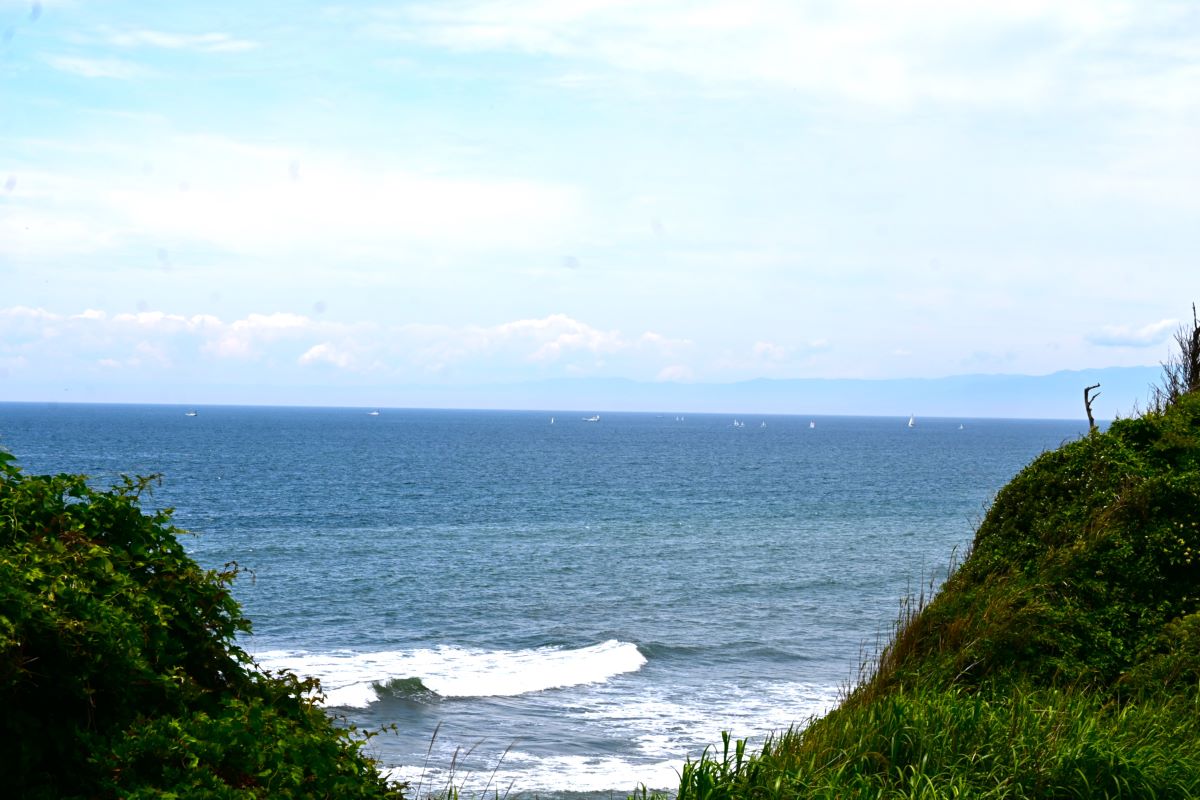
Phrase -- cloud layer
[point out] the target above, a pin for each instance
(156, 341)
(1152, 333)
(504, 190)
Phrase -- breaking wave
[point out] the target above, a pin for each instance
(355, 680)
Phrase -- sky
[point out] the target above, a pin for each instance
(263, 197)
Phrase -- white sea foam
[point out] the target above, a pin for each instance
(671, 724)
(349, 678)
(665, 725)
(551, 774)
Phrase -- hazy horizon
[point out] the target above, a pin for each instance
(1054, 396)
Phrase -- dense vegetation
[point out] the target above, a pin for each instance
(1062, 659)
(119, 672)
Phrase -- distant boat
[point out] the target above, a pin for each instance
(912, 421)
(764, 424)
(372, 413)
(812, 424)
(189, 413)
(960, 426)
(596, 418)
(552, 420)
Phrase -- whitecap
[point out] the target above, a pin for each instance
(350, 678)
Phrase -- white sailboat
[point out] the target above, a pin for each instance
(373, 413)
(912, 421)
(812, 424)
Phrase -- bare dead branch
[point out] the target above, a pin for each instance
(1088, 397)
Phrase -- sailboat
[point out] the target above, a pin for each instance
(373, 413)
(912, 421)
(189, 413)
(812, 423)
(552, 420)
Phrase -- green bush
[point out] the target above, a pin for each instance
(120, 675)
(1082, 561)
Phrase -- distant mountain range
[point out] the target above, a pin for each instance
(1055, 396)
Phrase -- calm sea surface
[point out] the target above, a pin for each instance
(579, 604)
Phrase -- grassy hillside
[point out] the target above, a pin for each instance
(119, 674)
(1062, 659)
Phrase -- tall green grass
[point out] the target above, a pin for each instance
(947, 744)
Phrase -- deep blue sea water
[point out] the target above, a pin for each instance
(580, 605)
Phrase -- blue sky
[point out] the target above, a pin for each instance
(269, 195)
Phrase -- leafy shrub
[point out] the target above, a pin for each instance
(120, 675)
(1083, 560)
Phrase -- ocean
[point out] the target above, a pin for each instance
(556, 603)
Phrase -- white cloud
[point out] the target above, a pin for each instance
(146, 319)
(153, 336)
(25, 312)
(326, 353)
(770, 351)
(544, 341)
(551, 345)
(559, 335)
(277, 322)
(242, 338)
(228, 347)
(665, 345)
(201, 42)
(222, 193)
(868, 51)
(1127, 336)
(97, 67)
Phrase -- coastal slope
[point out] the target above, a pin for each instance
(1061, 659)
